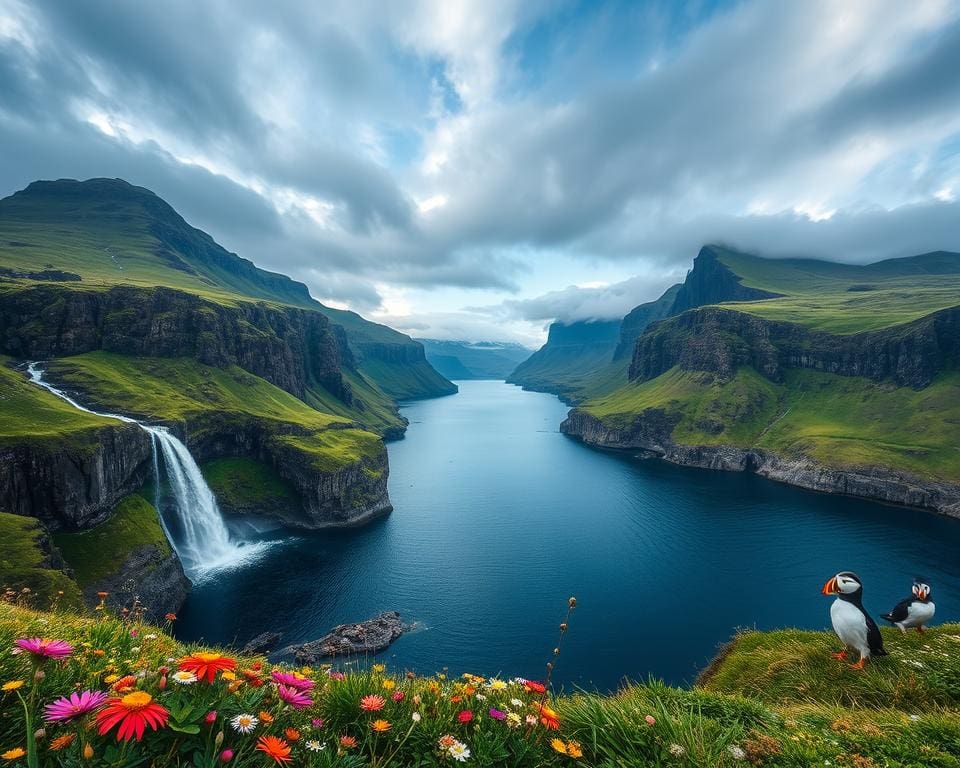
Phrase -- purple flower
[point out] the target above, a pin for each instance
(496, 714)
(45, 649)
(292, 681)
(293, 697)
(73, 706)
(316, 722)
(336, 675)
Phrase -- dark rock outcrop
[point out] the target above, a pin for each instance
(639, 318)
(650, 431)
(288, 347)
(74, 486)
(719, 340)
(368, 636)
(265, 641)
(711, 282)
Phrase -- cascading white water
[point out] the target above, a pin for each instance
(203, 542)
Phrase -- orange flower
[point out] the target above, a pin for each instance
(372, 703)
(171, 617)
(125, 684)
(132, 713)
(206, 665)
(380, 726)
(292, 734)
(548, 717)
(348, 742)
(456, 699)
(469, 690)
(574, 750)
(276, 748)
(265, 717)
(62, 742)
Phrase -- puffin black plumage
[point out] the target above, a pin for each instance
(850, 620)
(914, 611)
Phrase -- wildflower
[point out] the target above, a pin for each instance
(548, 717)
(211, 717)
(87, 752)
(677, 751)
(497, 714)
(348, 742)
(44, 649)
(151, 636)
(574, 750)
(388, 684)
(111, 679)
(372, 703)
(336, 676)
(243, 723)
(415, 717)
(650, 720)
(62, 742)
(496, 685)
(534, 687)
(73, 706)
(465, 716)
(125, 683)
(480, 697)
(378, 668)
(380, 726)
(516, 703)
(313, 745)
(206, 665)
(171, 617)
(559, 745)
(228, 676)
(316, 722)
(276, 748)
(184, 678)
(293, 697)
(132, 713)
(12, 685)
(293, 680)
(266, 716)
(292, 734)
(226, 756)
(532, 720)
(513, 720)
(459, 752)
(447, 741)
(14, 754)
(252, 677)
(736, 752)
(398, 696)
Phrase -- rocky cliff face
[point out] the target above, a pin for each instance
(74, 486)
(719, 340)
(711, 282)
(639, 318)
(288, 347)
(650, 435)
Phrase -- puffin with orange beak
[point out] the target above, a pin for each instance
(915, 611)
(853, 625)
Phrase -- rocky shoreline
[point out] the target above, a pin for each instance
(650, 436)
(365, 637)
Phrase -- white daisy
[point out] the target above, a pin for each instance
(516, 702)
(244, 723)
(313, 745)
(459, 752)
(183, 677)
(415, 717)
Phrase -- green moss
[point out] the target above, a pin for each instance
(23, 563)
(245, 485)
(99, 552)
(333, 449)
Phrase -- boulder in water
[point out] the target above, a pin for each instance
(262, 643)
(351, 639)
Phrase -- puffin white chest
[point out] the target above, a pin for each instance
(918, 613)
(850, 625)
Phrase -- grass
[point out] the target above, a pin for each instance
(773, 699)
(838, 421)
(817, 294)
(99, 552)
(246, 486)
(406, 381)
(29, 413)
(25, 562)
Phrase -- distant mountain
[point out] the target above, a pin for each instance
(106, 232)
(474, 360)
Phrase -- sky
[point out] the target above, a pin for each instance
(476, 170)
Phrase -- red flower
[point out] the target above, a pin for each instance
(276, 748)
(534, 687)
(548, 717)
(206, 665)
(124, 684)
(466, 716)
(132, 713)
(372, 703)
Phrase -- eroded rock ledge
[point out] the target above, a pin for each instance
(365, 637)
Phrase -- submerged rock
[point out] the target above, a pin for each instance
(351, 639)
(262, 643)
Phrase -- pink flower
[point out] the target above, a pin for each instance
(466, 716)
(496, 714)
(650, 720)
(398, 696)
(293, 697)
(45, 649)
(226, 756)
(316, 722)
(73, 706)
(337, 676)
(292, 681)
(211, 717)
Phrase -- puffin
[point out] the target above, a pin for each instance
(915, 611)
(851, 622)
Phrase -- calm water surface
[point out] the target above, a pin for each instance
(499, 518)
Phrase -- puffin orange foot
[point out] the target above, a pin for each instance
(841, 655)
(859, 665)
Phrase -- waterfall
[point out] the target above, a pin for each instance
(201, 539)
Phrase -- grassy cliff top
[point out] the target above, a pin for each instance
(848, 298)
(25, 562)
(772, 699)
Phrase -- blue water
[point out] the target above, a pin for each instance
(499, 519)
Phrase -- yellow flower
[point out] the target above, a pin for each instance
(558, 746)
(109, 679)
(378, 668)
(380, 726)
(574, 750)
(389, 684)
(227, 675)
(12, 685)
(306, 670)
(14, 754)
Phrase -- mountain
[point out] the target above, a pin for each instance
(283, 403)
(837, 377)
(474, 360)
